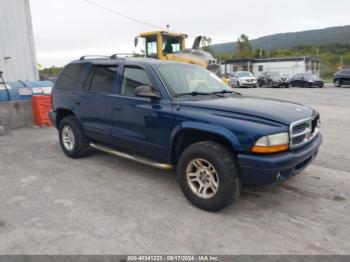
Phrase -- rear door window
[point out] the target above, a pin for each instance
(71, 77)
(101, 80)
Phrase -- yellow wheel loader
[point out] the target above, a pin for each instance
(171, 46)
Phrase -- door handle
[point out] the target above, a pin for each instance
(117, 108)
(77, 103)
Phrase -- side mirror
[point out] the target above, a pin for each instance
(136, 41)
(147, 91)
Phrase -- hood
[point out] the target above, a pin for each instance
(275, 110)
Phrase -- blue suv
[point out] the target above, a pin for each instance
(175, 115)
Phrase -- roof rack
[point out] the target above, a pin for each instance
(93, 57)
(114, 56)
(117, 55)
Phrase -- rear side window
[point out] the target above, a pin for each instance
(70, 78)
(344, 72)
(134, 77)
(103, 79)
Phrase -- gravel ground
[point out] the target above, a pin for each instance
(104, 205)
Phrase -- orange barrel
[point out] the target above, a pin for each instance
(41, 106)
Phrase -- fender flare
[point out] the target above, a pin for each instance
(214, 129)
(74, 112)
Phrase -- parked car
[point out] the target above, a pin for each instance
(342, 78)
(273, 79)
(243, 79)
(306, 80)
(175, 115)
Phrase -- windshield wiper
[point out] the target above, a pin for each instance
(193, 94)
(218, 93)
(226, 92)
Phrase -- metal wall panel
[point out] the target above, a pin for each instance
(17, 51)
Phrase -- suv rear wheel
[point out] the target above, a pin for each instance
(72, 139)
(208, 175)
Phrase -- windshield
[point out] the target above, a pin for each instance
(244, 74)
(185, 79)
(171, 44)
(311, 77)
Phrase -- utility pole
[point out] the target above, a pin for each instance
(269, 50)
(341, 62)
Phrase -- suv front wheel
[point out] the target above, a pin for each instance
(72, 139)
(208, 175)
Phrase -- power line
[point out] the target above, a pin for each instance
(136, 19)
(122, 15)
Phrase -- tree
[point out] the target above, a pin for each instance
(50, 71)
(223, 56)
(243, 47)
(260, 53)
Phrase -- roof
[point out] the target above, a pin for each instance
(145, 34)
(113, 61)
(274, 59)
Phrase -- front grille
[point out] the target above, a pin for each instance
(299, 128)
(302, 132)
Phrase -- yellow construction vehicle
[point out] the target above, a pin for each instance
(171, 46)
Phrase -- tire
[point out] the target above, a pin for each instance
(217, 158)
(238, 85)
(286, 86)
(337, 83)
(78, 146)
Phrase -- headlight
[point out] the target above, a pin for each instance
(272, 144)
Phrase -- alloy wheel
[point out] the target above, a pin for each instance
(202, 178)
(68, 138)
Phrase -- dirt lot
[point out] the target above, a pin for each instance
(50, 204)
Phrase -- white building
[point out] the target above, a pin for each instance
(17, 52)
(289, 65)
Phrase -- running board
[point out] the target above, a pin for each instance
(134, 158)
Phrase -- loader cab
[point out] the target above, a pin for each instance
(159, 44)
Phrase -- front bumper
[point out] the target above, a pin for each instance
(280, 83)
(269, 169)
(249, 84)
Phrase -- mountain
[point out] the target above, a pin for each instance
(339, 34)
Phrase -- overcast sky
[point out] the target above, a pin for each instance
(67, 29)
